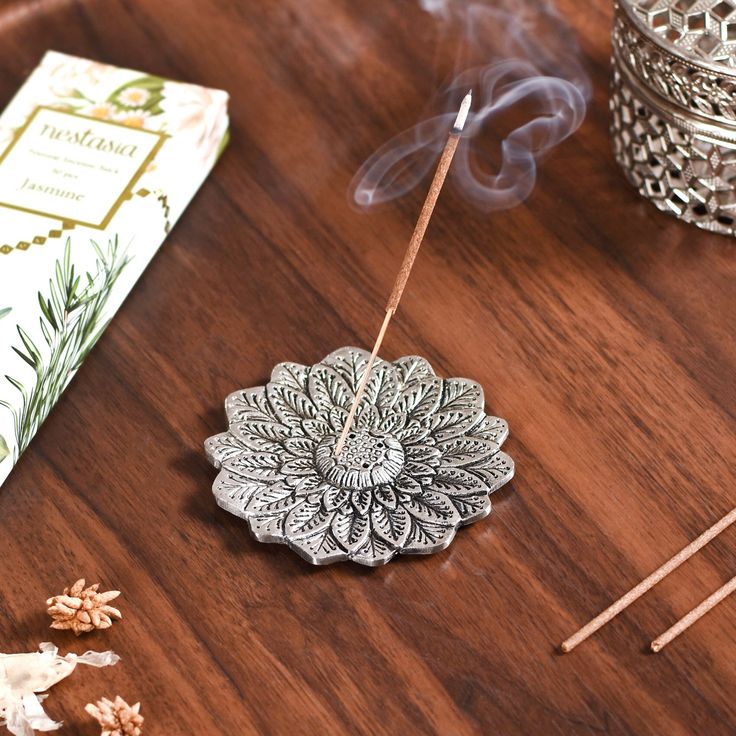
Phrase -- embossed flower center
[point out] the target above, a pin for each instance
(368, 459)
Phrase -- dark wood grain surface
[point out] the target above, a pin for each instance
(600, 328)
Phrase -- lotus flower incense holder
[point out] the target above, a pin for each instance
(420, 461)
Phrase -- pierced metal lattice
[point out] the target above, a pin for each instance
(673, 106)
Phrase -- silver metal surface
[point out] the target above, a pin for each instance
(699, 30)
(420, 461)
(673, 105)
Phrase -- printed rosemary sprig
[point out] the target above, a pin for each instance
(70, 325)
(4, 449)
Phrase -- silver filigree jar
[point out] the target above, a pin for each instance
(420, 462)
(673, 105)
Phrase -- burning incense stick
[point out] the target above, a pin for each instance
(649, 582)
(698, 612)
(411, 253)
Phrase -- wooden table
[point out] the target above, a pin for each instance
(600, 328)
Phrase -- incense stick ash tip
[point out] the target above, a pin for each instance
(462, 114)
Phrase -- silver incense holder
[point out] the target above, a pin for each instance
(673, 105)
(420, 461)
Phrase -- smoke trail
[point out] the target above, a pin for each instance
(522, 62)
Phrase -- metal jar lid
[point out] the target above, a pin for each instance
(673, 103)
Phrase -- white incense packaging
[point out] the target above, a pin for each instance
(96, 165)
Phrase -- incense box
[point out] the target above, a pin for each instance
(96, 165)
(673, 105)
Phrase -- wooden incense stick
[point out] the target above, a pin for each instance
(648, 583)
(409, 257)
(698, 612)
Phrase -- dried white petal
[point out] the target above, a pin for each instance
(24, 675)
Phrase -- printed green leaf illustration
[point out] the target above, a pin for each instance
(70, 320)
(5, 312)
(223, 144)
(4, 451)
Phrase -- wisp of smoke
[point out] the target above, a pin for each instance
(522, 61)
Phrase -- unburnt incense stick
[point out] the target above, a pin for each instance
(411, 253)
(648, 583)
(690, 618)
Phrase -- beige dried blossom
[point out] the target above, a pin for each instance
(116, 717)
(83, 609)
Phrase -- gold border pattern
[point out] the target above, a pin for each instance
(127, 190)
(67, 225)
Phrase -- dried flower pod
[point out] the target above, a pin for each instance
(116, 717)
(83, 609)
